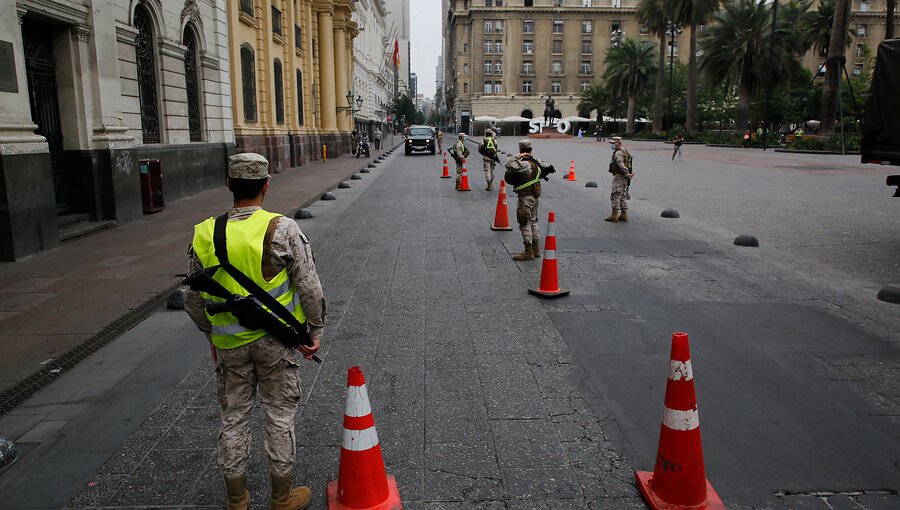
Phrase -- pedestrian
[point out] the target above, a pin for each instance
(497, 132)
(440, 140)
(459, 152)
(354, 141)
(677, 142)
(488, 151)
(747, 139)
(599, 132)
(377, 138)
(621, 168)
(271, 250)
(580, 134)
(524, 172)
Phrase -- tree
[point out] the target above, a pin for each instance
(815, 27)
(629, 69)
(405, 107)
(653, 15)
(594, 98)
(691, 13)
(834, 66)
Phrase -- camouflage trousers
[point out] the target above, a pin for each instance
(619, 192)
(272, 369)
(526, 215)
(459, 167)
(489, 170)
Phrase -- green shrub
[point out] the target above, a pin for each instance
(720, 138)
(821, 143)
(647, 134)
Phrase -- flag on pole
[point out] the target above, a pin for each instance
(396, 53)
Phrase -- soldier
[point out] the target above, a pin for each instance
(459, 151)
(620, 167)
(524, 171)
(489, 153)
(247, 361)
(440, 140)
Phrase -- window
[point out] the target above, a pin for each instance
(585, 85)
(465, 29)
(498, 67)
(466, 48)
(528, 47)
(488, 65)
(298, 37)
(145, 55)
(528, 26)
(587, 3)
(586, 46)
(529, 3)
(857, 69)
(488, 87)
(191, 86)
(557, 26)
(299, 97)
(860, 50)
(556, 49)
(862, 31)
(488, 26)
(465, 69)
(555, 87)
(527, 67)
(701, 28)
(248, 79)
(498, 24)
(586, 26)
(556, 67)
(314, 52)
(465, 88)
(526, 87)
(585, 67)
(673, 48)
(276, 21)
(279, 92)
(499, 3)
(644, 30)
(616, 3)
(557, 3)
(246, 7)
(488, 47)
(498, 48)
(864, 5)
(488, 3)
(498, 87)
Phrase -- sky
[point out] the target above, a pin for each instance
(425, 42)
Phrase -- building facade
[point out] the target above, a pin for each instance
(373, 70)
(89, 89)
(398, 28)
(291, 63)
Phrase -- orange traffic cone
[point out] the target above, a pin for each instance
(464, 180)
(549, 282)
(678, 480)
(571, 176)
(501, 217)
(446, 168)
(362, 482)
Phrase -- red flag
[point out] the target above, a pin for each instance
(396, 53)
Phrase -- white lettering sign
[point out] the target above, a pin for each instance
(537, 126)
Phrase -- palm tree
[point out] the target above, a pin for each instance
(629, 68)
(833, 70)
(815, 27)
(594, 98)
(691, 13)
(653, 15)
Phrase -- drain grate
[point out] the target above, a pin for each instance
(17, 394)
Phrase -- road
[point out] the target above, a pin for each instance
(487, 397)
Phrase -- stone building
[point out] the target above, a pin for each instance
(373, 70)
(88, 89)
(398, 25)
(291, 65)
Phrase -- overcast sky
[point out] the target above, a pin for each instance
(425, 42)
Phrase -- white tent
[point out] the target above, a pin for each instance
(578, 119)
(486, 118)
(514, 118)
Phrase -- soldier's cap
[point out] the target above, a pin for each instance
(248, 165)
(462, 135)
(616, 138)
(489, 132)
(524, 145)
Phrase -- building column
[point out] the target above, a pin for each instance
(341, 83)
(326, 71)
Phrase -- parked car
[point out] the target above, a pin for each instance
(420, 138)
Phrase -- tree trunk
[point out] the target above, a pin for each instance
(691, 116)
(742, 112)
(629, 121)
(833, 71)
(889, 26)
(659, 96)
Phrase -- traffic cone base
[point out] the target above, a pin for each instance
(548, 294)
(500, 228)
(392, 502)
(644, 481)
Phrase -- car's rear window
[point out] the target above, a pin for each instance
(420, 132)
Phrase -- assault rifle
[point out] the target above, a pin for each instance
(545, 170)
(248, 311)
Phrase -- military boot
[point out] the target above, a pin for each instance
(238, 495)
(490, 187)
(536, 247)
(623, 216)
(286, 498)
(613, 217)
(525, 255)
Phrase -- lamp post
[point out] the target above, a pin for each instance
(615, 39)
(672, 29)
(349, 108)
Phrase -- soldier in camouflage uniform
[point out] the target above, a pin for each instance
(490, 153)
(459, 151)
(263, 363)
(528, 192)
(620, 167)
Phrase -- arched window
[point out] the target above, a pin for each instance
(248, 77)
(279, 92)
(192, 86)
(146, 75)
(299, 97)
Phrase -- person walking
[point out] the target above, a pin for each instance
(354, 142)
(377, 139)
(459, 151)
(524, 171)
(600, 132)
(440, 140)
(580, 134)
(271, 251)
(621, 168)
(677, 142)
(489, 150)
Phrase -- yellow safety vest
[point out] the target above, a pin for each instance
(244, 242)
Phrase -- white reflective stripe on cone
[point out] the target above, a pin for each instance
(360, 440)
(677, 420)
(679, 370)
(550, 254)
(550, 229)
(357, 402)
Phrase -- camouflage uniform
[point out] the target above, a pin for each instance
(265, 364)
(489, 162)
(619, 192)
(462, 152)
(528, 200)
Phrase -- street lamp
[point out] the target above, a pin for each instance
(672, 29)
(349, 109)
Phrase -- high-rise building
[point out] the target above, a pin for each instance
(413, 85)
(398, 30)
(373, 67)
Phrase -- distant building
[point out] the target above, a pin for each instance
(398, 23)
(413, 85)
(373, 68)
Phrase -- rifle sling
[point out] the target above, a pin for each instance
(249, 285)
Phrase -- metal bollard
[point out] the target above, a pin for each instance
(324, 152)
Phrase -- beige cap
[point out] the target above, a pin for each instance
(524, 145)
(248, 165)
(489, 132)
(462, 135)
(616, 138)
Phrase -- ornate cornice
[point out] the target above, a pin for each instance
(81, 32)
(66, 12)
(170, 49)
(125, 33)
(320, 6)
(191, 13)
